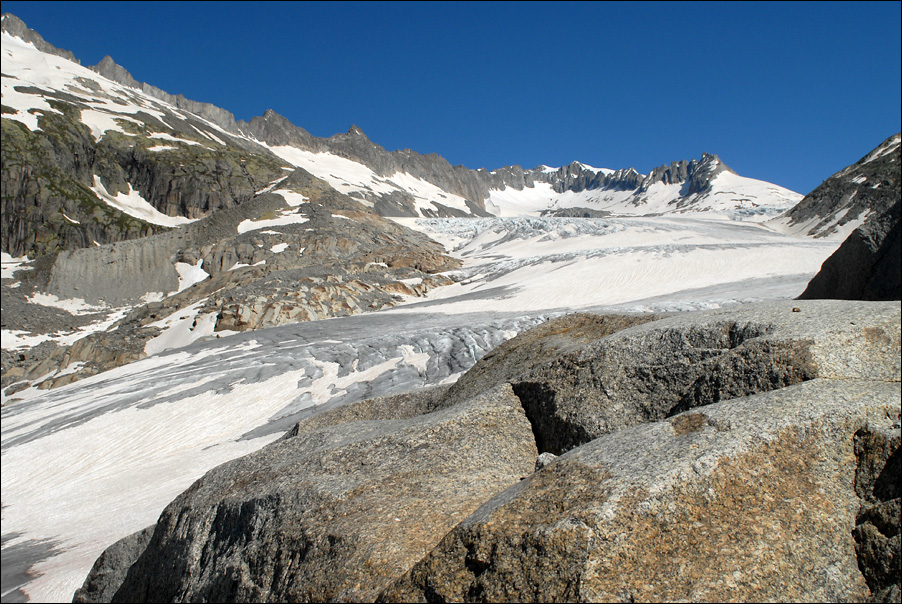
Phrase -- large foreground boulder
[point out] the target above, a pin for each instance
(658, 369)
(746, 500)
(333, 513)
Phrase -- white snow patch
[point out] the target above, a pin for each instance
(419, 360)
(189, 275)
(271, 185)
(133, 204)
(350, 177)
(291, 198)
(18, 340)
(238, 265)
(168, 137)
(882, 150)
(181, 328)
(279, 248)
(9, 265)
(102, 121)
(285, 217)
(73, 305)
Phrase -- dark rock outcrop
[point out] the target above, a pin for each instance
(109, 570)
(868, 264)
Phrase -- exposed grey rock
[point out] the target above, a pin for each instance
(750, 499)
(109, 570)
(537, 347)
(868, 264)
(398, 406)
(658, 369)
(14, 26)
(293, 522)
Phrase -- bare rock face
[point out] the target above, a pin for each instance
(868, 264)
(658, 369)
(110, 568)
(751, 499)
(334, 513)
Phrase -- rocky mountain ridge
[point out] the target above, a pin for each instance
(230, 160)
(869, 186)
(868, 265)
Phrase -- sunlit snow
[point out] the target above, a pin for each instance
(133, 204)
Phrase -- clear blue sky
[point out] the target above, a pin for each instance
(784, 92)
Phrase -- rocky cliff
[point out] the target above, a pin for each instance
(756, 458)
(264, 263)
(868, 265)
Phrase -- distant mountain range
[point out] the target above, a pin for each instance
(98, 136)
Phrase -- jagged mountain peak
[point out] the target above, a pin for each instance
(15, 27)
(109, 69)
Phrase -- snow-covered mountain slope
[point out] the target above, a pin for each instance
(724, 192)
(398, 183)
(844, 201)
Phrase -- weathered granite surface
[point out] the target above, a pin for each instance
(109, 570)
(334, 513)
(751, 500)
(662, 368)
